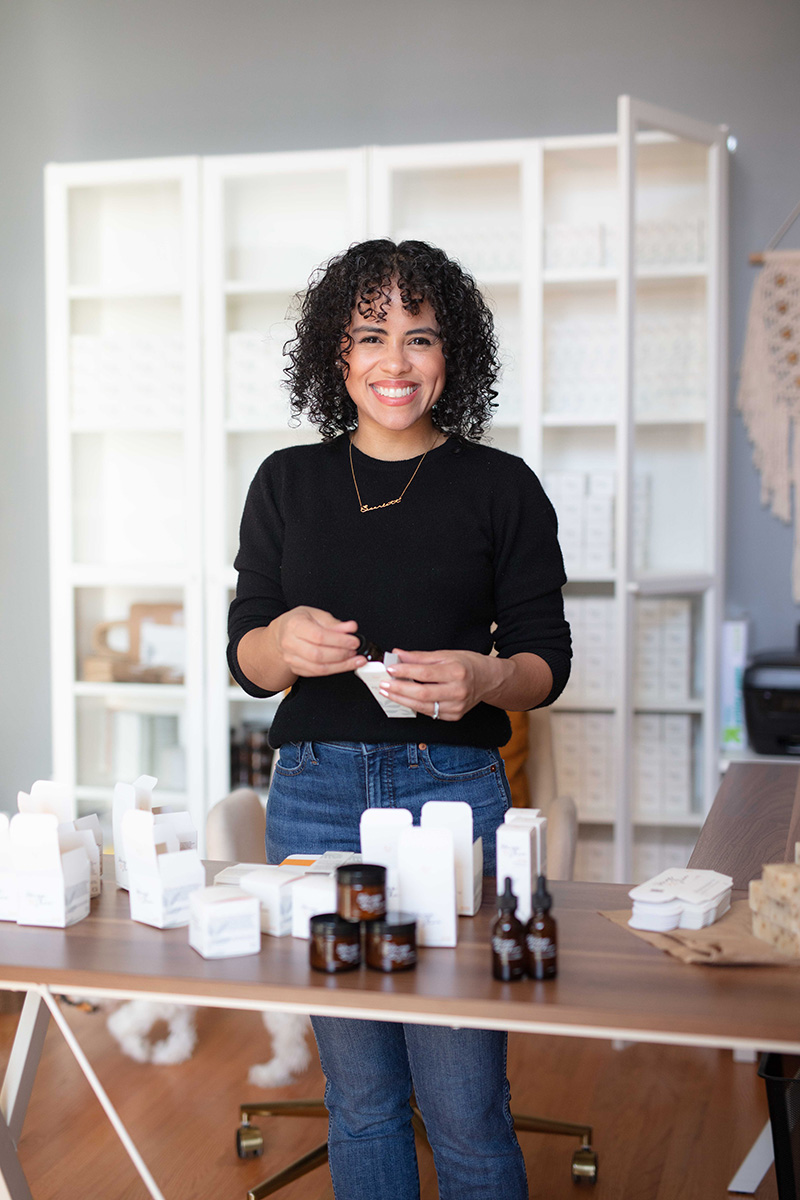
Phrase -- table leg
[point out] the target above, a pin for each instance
(16, 1093)
(99, 1091)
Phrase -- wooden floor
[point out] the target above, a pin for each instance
(670, 1123)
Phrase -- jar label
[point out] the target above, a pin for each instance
(371, 902)
(348, 952)
(398, 953)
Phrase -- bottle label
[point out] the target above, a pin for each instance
(540, 947)
(507, 948)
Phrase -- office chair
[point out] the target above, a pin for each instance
(235, 832)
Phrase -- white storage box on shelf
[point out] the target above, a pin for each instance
(53, 882)
(224, 922)
(161, 877)
(685, 899)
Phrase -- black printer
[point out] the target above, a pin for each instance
(772, 701)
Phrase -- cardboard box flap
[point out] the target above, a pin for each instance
(47, 797)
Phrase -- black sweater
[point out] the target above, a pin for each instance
(472, 544)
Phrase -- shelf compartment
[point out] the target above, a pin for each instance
(122, 734)
(94, 607)
(129, 499)
(126, 237)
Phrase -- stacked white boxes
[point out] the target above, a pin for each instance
(660, 849)
(582, 743)
(142, 377)
(254, 367)
(663, 647)
(662, 758)
(594, 656)
(584, 502)
(594, 857)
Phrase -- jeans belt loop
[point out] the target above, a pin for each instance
(413, 754)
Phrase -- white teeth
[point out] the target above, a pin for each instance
(394, 393)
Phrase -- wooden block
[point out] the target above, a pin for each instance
(781, 939)
(782, 881)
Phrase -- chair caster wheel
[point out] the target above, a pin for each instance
(584, 1165)
(249, 1141)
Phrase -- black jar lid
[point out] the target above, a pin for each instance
(369, 874)
(399, 924)
(332, 925)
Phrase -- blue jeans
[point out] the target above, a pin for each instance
(318, 793)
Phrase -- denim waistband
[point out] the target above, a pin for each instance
(374, 749)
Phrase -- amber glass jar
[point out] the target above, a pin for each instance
(391, 942)
(361, 891)
(335, 944)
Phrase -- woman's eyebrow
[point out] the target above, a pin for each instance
(382, 329)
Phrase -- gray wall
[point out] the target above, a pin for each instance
(100, 79)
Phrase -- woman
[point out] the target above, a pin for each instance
(401, 528)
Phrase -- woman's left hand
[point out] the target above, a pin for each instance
(455, 679)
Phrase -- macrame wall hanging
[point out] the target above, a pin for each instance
(769, 385)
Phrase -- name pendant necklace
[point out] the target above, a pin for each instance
(362, 507)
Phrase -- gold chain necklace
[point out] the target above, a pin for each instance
(388, 503)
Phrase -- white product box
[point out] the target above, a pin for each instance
(127, 797)
(374, 675)
(272, 886)
(52, 885)
(224, 922)
(47, 797)
(686, 899)
(8, 875)
(161, 877)
(456, 816)
(74, 839)
(380, 832)
(516, 860)
(311, 894)
(234, 874)
(427, 872)
(182, 826)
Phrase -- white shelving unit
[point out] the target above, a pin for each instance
(124, 464)
(603, 259)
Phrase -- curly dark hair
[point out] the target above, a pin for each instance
(362, 277)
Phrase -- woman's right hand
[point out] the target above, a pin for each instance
(312, 642)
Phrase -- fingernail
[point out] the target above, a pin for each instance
(384, 691)
(392, 670)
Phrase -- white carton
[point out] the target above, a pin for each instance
(160, 876)
(374, 675)
(224, 922)
(234, 874)
(520, 854)
(46, 796)
(8, 876)
(538, 824)
(680, 898)
(182, 826)
(52, 887)
(71, 838)
(311, 895)
(127, 797)
(427, 872)
(456, 816)
(321, 864)
(380, 833)
(272, 888)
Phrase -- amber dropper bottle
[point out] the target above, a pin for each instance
(540, 935)
(370, 651)
(508, 955)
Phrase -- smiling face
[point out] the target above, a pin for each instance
(395, 374)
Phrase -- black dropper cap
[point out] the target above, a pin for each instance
(508, 901)
(541, 900)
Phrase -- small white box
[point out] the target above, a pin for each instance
(456, 816)
(160, 876)
(74, 839)
(427, 871)
(224, 922)
(127, 797)
(234, 874)
(182, 826)
(8, 875)
(47, 796)
(311, 895)
(272, 887)
(518, 847)
(380, 830)
(52, 886)
(374, 675)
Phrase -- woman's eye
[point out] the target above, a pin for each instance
(369, 339)
(421, 341)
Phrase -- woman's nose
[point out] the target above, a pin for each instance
(395, 358)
